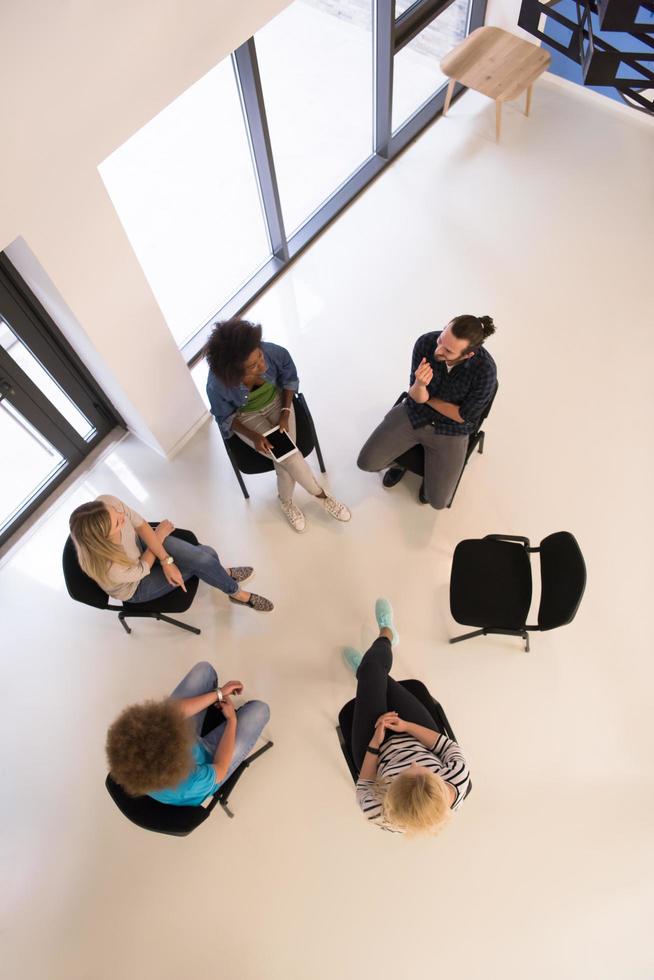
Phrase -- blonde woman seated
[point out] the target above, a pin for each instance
(157, 749)
(410, 776)
(118, 549)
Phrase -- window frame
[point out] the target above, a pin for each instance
(388, 37)
(32, 325)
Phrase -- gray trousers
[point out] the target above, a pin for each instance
(444, 455)
(295, 468)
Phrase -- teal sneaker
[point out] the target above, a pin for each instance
(352, 658)
(384, 617)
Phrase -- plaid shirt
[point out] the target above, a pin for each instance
(469, 386)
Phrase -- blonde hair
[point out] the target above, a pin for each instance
(149, 747)
(417, 804)
(90, 527)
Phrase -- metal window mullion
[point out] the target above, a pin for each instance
(383, 32)
(248, 80)
(34, 328)
(39, 410)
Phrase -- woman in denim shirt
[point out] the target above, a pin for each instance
(250, 387)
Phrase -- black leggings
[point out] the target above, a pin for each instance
(378, 693)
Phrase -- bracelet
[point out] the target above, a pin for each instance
(285, 409)
(220, 697)
(372, 750)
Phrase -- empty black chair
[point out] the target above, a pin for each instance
(490, 584)
(84, 589)
(418, 689)
(245, 459)
(179, 821)
(413, 459)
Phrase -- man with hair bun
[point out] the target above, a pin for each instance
(452, 380)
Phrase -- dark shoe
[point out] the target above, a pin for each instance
(421, 494)
(241, 573)
(255, 601)
(393, 476)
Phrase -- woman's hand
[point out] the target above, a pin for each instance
(424, 373)
(164, 529)
(284, 421)
(232, 687)
(261, 444)
(395, 724)
(174, 576)
(381, 725)
(228, 709)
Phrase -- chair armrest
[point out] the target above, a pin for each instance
(403, 396)
(509, 537)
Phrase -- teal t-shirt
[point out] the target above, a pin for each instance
(196, 787)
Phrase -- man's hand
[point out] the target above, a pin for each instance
(228, 709)
(261, 444)
(424, 373)
(174, 576)
(232, 687)
(164, 529)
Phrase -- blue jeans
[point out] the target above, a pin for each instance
(191, 559)
(251, 719)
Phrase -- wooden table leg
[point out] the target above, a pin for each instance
(448, 97)
(498, 120)
(528, 101)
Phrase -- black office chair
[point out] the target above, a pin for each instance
(490, 584)
(179, 821)
(418, 689)
(245, 459)
(84, 589)
(414, 459)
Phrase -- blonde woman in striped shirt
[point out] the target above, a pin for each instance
(410, 775)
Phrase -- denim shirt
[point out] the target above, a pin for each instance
(226, 402)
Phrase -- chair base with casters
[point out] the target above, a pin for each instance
(179, 821)
(413, 459)
(491, 584)
(418, 689)
(84, 589)
(245, 459)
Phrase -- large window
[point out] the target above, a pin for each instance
(231, 181)
(416, 72)
(320, 119)
(51, 413)
(185, 189)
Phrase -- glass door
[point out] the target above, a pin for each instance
(51, 415)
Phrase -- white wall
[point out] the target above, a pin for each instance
(77, 79)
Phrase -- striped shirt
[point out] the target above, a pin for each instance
(396, 754)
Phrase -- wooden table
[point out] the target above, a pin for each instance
(497, 64)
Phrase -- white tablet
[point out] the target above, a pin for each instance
(282, 444)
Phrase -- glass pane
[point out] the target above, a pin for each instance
(416, 75)
(28, 462)
(402, 5)
(36, 373)
(185, 191)
(315, 60)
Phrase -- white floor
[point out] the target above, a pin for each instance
(546, 872)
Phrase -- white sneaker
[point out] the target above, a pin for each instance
(335, 509)
(293, 515)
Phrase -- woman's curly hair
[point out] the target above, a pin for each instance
(228, 348)
(149, 747)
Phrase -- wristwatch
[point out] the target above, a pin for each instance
(220, 697)
(168, 560)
